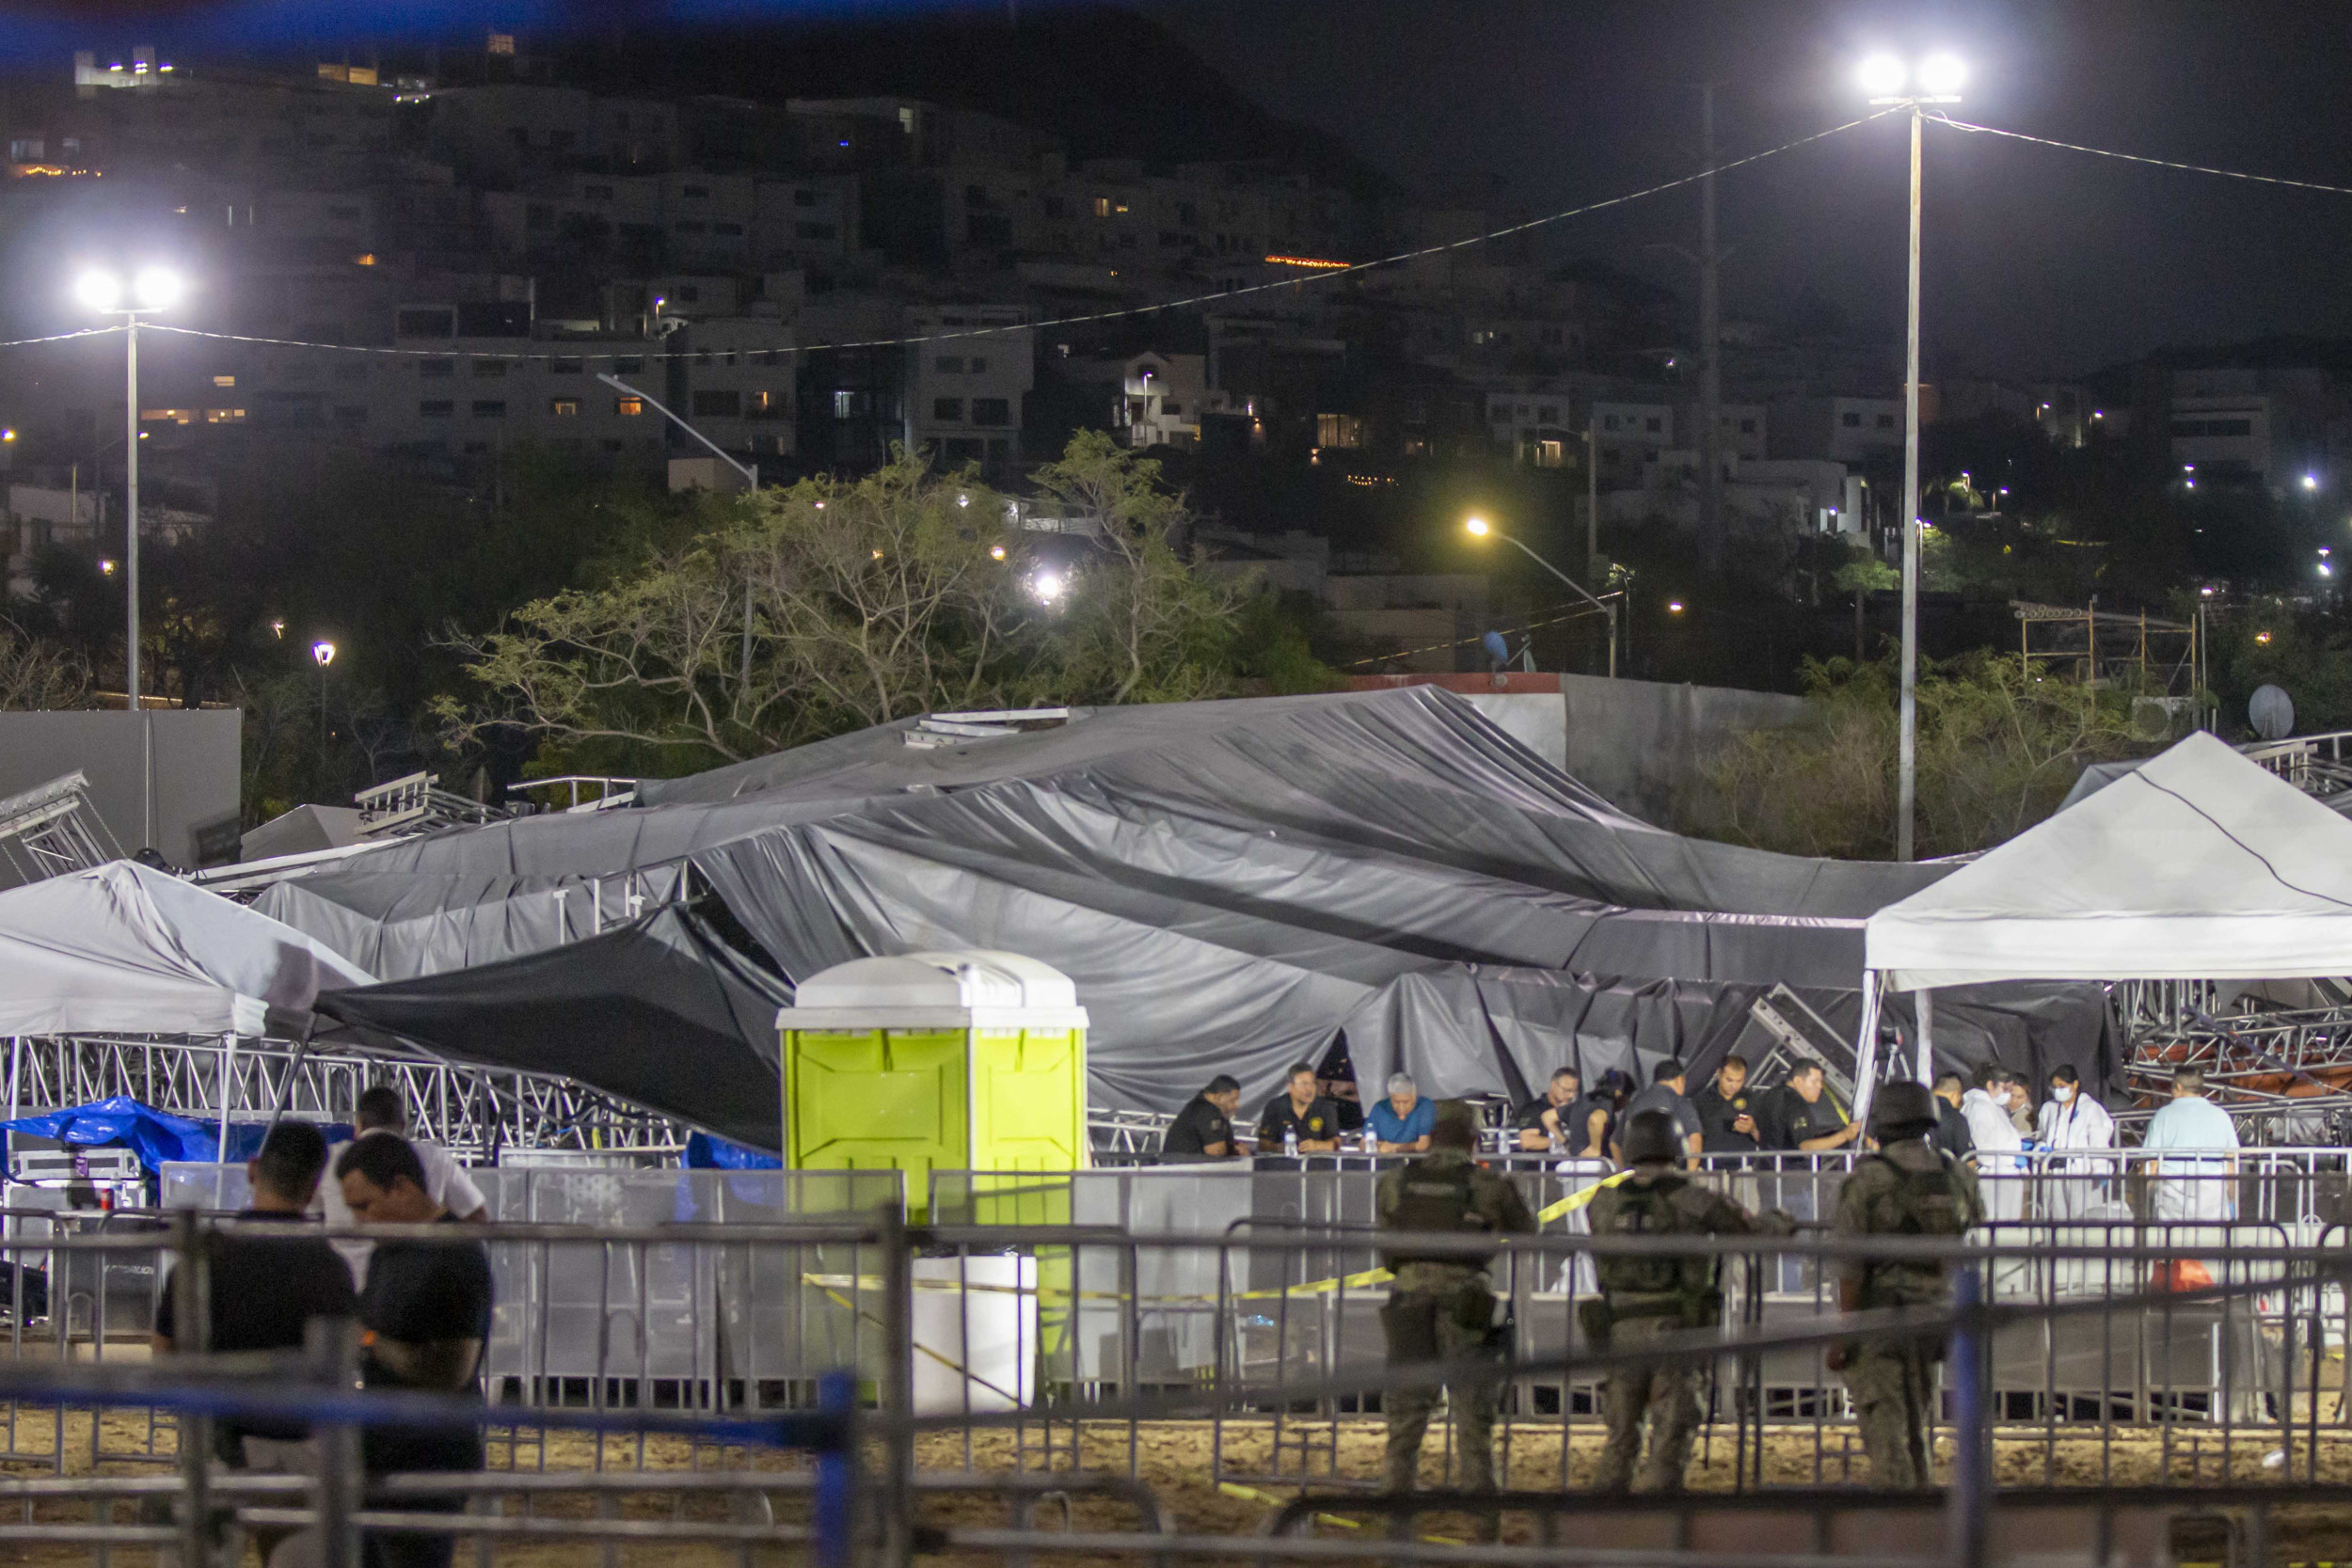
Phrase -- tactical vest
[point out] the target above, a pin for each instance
(1646, 1209)
(1920, 1203)
(1439, 1198)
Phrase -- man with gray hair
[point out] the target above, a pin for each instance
(1401, 1124)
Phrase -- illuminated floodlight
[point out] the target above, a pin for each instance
(324, 652)
(1047, 586)
(1882, 75)
(99, 289)
(1476, 527)
(1674, 606)
(155, 288)
(2310, 481)
(996, 552)
(1942, 75)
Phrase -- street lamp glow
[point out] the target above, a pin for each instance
(105, 568)
(324, 652)
(1674, 606)
(99, 289)
(996, 552)
(155, 288)
(2310, 481)
(1047, 586)
(1882, 75)
(1942, 75)
(278, 629)
(1476, 527)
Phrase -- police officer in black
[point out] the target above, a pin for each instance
(1442, 1308)
(1203, 1129)
(1650, 1297)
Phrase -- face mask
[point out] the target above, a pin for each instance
(2000, 1098)
(2062, 1093)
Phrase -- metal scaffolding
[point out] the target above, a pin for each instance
(475, 1112)
(52, 830)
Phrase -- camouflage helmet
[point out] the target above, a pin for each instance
(1456, 1125)
(1650, 1137)
(1902, 1109)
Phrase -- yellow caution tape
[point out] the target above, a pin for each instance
(1574, 1201)
(1251, 1495)
(1364, 1280)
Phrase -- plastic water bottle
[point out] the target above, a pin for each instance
(1371, 1145)
(1290, 1140)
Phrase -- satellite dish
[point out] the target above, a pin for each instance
(2272, 712)
(1496, 649)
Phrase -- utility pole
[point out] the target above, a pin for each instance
(1711, 348)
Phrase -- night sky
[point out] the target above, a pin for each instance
(2037, 261)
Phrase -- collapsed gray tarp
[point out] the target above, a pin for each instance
(1225, 881)
(658, 1011)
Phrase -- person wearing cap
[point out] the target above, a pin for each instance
(1441, 1306)
(1646, 1299)
(1911, 1188)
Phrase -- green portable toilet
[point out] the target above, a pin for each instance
(935, 1061)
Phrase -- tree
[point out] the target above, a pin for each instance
(37, 673)
(1862, 576)
(834, 605)
(1997, 750)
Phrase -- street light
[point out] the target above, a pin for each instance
(1478, 528)
(1889, 81)
(1047, 586)
(324, 652)
(150, 289)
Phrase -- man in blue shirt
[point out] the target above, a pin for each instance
(1402, 1123)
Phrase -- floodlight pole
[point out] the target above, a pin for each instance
(1906, 742)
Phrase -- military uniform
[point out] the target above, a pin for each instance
(1646, 1299)
(1912, 1188)
(1443, 1309)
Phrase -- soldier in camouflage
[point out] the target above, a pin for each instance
(1646, 1299)
(1910, 1187)
(1442, 1308)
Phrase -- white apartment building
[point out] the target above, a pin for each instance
(967, 388)
(1162, 400)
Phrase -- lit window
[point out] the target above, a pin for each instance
(563, 407)
(501, 43)
(224, 415)
(629, 407)
(764, 405)
(167, 416)
(1339, 430)
(224, 380)
(1103, 206)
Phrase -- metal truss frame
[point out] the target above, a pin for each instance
(2278, 1070)
(51, 830)
(473, 1111)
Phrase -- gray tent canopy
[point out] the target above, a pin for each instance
(1228, 882)
(659, 1012)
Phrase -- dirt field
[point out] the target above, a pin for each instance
(1175, 1459)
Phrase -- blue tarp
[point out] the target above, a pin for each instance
(706, 1153)
(154, 1136)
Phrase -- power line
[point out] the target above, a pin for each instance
(2136, 158)
(1576, 615)
(1321, 275)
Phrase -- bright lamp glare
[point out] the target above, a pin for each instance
(324, 653)
(155, 288)
(2310, 481)
(1477, 527)
(1882, 75)
(1942, 73)
(99, 290)
(1047, 586)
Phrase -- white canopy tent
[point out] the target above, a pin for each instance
(123, 949)
(2196, 865)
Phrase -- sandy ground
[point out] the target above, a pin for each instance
(1175, 1459)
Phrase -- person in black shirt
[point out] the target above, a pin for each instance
(1548, 1113)
(427, 1312)
(1315, 1119)
(1668, 1081)
(1951, 1132)
(262, 1290)
(1799, 1118)
(1203, 1129)
(1728, 1123)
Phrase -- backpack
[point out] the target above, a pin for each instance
(1646, 1209)
(1437, 1198)
(1921, 1203)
